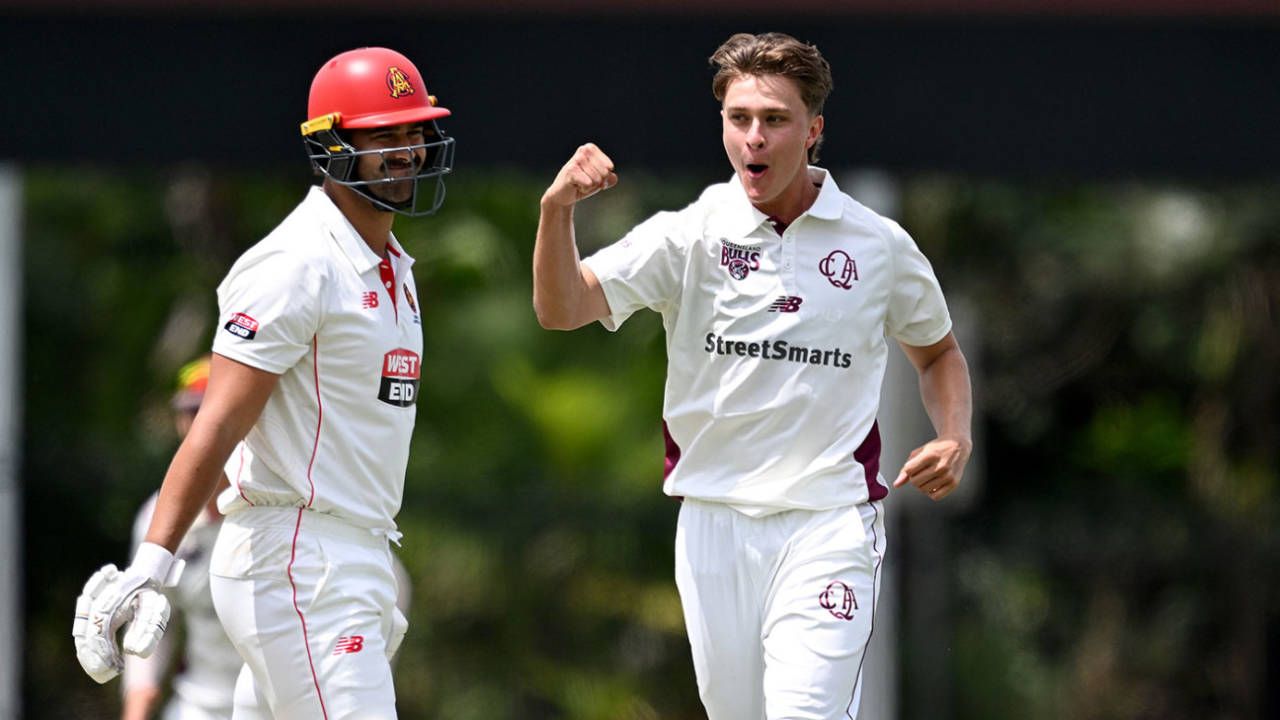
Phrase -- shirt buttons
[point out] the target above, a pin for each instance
(388, 285)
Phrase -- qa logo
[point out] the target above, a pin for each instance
(838, 598)
(840, 269)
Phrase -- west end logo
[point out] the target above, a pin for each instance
(400, 371)
(738, 259)
(839, 269)
(398, 82)
(242, 326)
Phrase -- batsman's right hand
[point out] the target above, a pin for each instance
(111, 599)
(588, 172)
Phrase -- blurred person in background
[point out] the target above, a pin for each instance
(309, 407)
(777, 293)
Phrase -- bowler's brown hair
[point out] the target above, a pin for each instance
(775, 54)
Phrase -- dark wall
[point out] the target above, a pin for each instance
(1023, 96)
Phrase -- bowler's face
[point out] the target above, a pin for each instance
(767, 135)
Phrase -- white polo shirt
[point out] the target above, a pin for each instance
(776, 344)
(312, 303)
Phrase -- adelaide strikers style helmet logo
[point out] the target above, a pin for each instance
(398, 82)
(839, 600)
(839, 269)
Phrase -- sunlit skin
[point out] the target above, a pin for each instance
(767, 135)
(403, 164)
(373, 223)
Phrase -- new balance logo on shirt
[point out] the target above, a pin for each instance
(349, 644)
(786, 304)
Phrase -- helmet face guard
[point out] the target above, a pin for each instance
(372, 88)
(335, 158)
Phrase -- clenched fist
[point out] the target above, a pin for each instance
(588, 172)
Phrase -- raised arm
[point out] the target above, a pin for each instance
(936, 467)
(566, 294)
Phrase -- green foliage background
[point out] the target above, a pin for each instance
(1119, 564)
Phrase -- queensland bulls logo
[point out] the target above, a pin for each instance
(838, 598)
(840, 269)
(398, 82)
(738, 259)
(400, 372)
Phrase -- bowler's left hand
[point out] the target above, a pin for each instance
(936, 467)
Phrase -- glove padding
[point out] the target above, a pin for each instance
(111, 599)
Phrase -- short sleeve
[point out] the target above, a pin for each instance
(642, 270)
(268, 310)
(918, 312)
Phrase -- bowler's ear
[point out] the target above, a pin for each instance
(815, 131)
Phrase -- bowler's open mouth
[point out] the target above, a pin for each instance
(756, 169)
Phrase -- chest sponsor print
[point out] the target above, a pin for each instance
(775, 349)
(401, 369)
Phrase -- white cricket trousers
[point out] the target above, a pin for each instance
(179, 709)
(309, 602)
(779, 608)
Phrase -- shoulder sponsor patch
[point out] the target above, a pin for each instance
(242, 326)
(400, 373)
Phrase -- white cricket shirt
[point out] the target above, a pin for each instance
(312, 303)
(776, 344)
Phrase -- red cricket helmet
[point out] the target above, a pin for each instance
(369, 88)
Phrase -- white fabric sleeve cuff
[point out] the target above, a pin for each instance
(153, 561)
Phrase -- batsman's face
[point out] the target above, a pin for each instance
(398, 160)
(767, 135)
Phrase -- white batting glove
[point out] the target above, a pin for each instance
(112, 598)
